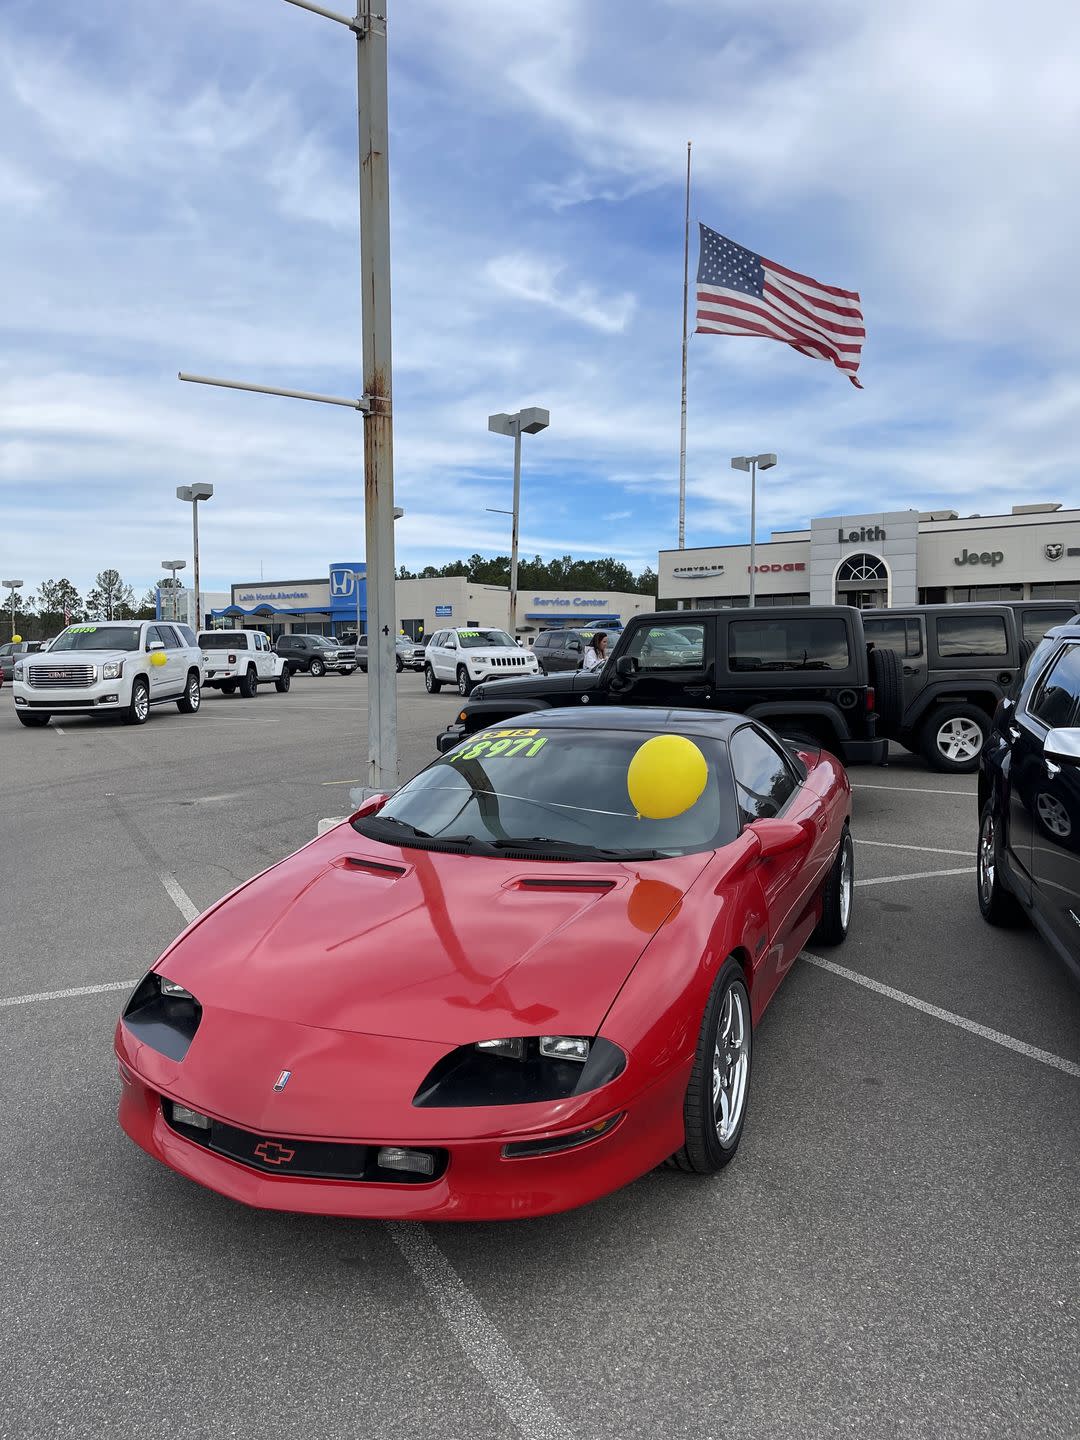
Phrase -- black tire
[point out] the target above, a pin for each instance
(886, 676)
(948, 740)
(228, 687)
(464, 684)
(138, 711)
(431, 685)
(249, 685)
(704, 1153)
(837, 897)
(284, 680)
(317, 668)
(189, 702)
(363, 669)
(399, 664)
(33, 719)
(997, 905)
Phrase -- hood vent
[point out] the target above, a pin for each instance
(373, 867)
(538, 882)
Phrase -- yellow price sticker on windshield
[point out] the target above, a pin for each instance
(81, 629)
(507, 745)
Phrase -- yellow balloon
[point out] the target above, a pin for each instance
(16, 639)
(666, 777)
(158, 658)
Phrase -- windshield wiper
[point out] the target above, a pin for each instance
(542, 843)
(377, 820)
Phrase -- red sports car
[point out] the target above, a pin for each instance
(504, 991)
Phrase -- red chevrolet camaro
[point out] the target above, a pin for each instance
(503, 991)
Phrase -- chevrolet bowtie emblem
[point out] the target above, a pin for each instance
(282, 1080)
(272, 1153)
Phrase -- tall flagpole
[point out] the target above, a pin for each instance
(685, 297)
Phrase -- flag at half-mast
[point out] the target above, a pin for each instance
(740, 293)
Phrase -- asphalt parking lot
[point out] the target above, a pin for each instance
(894, 1251)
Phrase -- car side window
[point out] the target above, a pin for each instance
(169, 635)
(1036, 623)
(574, 645)
(668, 647)
(896, 633)
(764, 781)
(451, 641)
(1057, 697)
(970, 635)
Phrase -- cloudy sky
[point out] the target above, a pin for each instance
(178, 191)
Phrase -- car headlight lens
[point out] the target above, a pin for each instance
(521, 1070)
(17, 672)
(112, 670)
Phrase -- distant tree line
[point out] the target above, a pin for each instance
(41, 613)
(562, 573)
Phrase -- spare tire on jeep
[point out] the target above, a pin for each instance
(887, 679)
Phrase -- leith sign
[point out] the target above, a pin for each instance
(860, 536)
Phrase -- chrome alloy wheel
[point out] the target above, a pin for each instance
(987, 860)
(194, 693)
(142, 702)
(959, 739)
(847, 882)
(731, 1065)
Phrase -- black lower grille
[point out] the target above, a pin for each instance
(301, 1159)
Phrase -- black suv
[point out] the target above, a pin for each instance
(805, 670)
(558, 650)
(1029, 800)
(957, 662)
(317, 654)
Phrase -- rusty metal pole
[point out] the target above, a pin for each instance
(370, 27)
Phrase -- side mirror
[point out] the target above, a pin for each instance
(1062, 746)
(780, 837)
(625, 667)
(156, 645)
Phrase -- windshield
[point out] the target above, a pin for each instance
(560, 793)
(478, 639)
(98, 637)
(222, 640)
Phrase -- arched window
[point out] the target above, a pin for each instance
(867, 570)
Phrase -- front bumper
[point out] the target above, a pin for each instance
(102, 695)
(478, 1182)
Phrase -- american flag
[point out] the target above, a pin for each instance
(740, 293)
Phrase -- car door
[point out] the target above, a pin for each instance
(264, 656)
(445, 665)
(158, 674)
(767, 785)
(671, 663)
(175, 659)
(1050, 792)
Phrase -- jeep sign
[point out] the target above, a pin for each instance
(985, 557)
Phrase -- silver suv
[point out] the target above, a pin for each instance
(119, 667)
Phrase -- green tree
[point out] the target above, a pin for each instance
(110, 599)
(58, 604)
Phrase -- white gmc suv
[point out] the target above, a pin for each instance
(238, 659)
(120, 667)
(465, 657)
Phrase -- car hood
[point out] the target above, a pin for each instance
(567, 682)
(68, 659)
(355, 936)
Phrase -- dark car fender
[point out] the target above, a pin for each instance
(792, 710)
(986, 694)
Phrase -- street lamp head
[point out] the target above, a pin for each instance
(12, 584)
(740, 462)
(190, 493)
(398, 512)
(174, 564)
(532, 420)
(501, 424)
(766, 462)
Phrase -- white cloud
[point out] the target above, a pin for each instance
(533, 278)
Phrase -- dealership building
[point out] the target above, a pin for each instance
(900, 557)
(338, 602)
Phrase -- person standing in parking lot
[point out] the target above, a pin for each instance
(596, 652)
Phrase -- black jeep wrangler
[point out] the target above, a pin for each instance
(806, 670)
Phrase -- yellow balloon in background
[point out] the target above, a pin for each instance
(666, 777)
(16, 639)
(158, 658)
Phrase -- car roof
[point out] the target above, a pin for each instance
(645, 720)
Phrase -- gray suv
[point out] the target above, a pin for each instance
(317, 654)
(408, 654)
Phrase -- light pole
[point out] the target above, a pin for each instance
(753, 463)
(192, 494)
(526, 422)
(359, 575)
(14, 586)
(172, 566)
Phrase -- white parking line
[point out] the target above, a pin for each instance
(916, 875)
(924, 849)
(1045, 1057)
(65, 994)
(515, 1390)
(179, 896)
(914, 790)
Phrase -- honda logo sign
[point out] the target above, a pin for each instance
(342, 583)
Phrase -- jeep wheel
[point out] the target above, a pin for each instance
(34, 719)
(138, 711)
(399, 664)
(952, 738)
(283, 681)
(318, 668)
(431, 685)
(191, 699)
(464, 684)
(249, 685)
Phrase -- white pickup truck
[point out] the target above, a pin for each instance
(240, 660)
